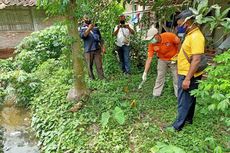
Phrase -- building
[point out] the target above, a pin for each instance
(19, 18)
(134, 7)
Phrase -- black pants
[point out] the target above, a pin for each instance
(186, 102)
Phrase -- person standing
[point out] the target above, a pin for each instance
(93, 46)
(188, 77)
(123, 32)
(165, 46)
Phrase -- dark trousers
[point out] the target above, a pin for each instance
(123, 53)
(91, 58)
(186, 102)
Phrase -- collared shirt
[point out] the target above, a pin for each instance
(167, 48)
(193, 44)
(122, 34)
(91, 42)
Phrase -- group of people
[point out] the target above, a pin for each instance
(94, 45)
(181, 53)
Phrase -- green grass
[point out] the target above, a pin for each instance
(60, 130)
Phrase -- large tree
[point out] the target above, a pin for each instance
(73, 11)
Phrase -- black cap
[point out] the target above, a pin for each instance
(185, 14)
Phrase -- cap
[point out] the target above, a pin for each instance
(186, 14)
(151, 33)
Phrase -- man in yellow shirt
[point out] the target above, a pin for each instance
(188, 77)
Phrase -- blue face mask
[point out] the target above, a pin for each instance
(181, 29)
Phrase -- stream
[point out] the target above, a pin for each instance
(15, 127)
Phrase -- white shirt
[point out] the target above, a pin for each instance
(122, 34)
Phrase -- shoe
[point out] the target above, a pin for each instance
(188, 122)
(127, 73)
(155, 97)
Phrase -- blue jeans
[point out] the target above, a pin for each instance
(123, 53)
(186, 102)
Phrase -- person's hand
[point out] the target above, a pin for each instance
(91, 26)
(144, 76)
(186, 84)
(127, 26)
(103, 50)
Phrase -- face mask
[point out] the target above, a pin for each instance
(88, 21)
(182, 29)
(186, 28)
(122, 22)
(153, 40)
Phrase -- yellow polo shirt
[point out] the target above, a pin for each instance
(193, 44)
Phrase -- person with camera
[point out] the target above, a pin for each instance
(165, 45)
(93, 47)
(123, 31)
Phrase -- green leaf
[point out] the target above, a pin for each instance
(218, 149)
(226, 23)
(194, 11)
(212, 107)
(164, 148)
(213, 25)
(217, 10)
(199, 19)
(224, 13)
(223, 105)
(203, 4)
(105, 118)
(119, 115)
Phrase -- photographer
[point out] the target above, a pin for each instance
(93, 46)
(123, 31)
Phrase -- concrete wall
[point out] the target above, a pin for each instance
(17, 22)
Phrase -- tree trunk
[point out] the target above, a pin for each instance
(79, 75)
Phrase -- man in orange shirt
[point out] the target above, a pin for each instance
(165, 46)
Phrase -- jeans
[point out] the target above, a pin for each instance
(186, 102)
(123, 53)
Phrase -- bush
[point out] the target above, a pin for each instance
(41, 46)
(20, 75)
(215, 89)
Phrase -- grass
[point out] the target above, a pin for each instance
(144, 122)
(60, 130)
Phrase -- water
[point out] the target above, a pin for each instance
(18, 137)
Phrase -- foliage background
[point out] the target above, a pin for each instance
(117, 117)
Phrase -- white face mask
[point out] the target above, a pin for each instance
(153, 40)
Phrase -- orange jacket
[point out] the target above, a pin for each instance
(167, 48)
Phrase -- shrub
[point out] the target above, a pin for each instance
(41, 46)
(215, 89)
(20, 75)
